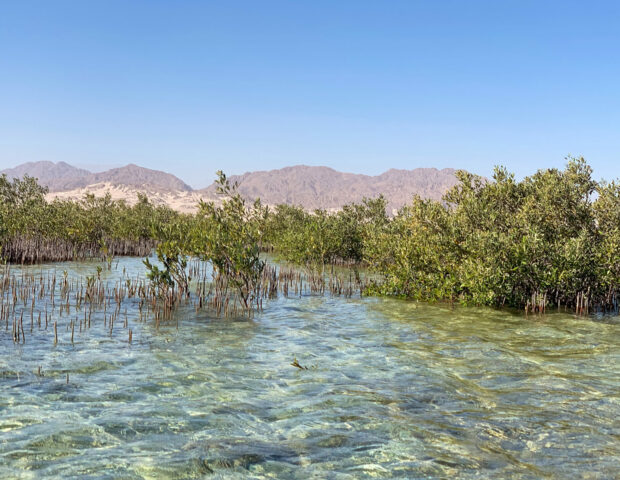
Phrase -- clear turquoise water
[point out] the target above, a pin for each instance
(393, 389)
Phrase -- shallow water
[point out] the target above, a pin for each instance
(392, 389)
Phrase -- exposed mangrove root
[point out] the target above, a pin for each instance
(68, 307)
(32, 250)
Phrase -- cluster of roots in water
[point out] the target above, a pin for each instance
(53, 302)
(584, 304)
(216, 292)
(32, 250)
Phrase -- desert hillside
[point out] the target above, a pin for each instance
(309, 187)
(323, 187)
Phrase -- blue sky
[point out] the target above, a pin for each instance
(191, 87)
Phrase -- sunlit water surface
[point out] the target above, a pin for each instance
(393, 389)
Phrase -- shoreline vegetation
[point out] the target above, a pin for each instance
(551, 240)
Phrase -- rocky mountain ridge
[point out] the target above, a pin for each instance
(324, 187)
(308, 186)
(62, 177)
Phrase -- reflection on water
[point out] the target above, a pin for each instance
(393, 389)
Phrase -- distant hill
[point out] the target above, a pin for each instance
(129, 175)
(61, 177)
(309, 187)
(48, 173)
(323, 187)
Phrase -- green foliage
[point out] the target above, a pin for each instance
(545, 240)
(22, 205)
(607, 214)
(413, 252)
(32, 229)
(320, 238)
(502, 242)
(173, 271)
(228, 234)
(172, 253)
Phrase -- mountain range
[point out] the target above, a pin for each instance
(61, 177)
(309, 187)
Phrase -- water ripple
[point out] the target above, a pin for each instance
(393, 389)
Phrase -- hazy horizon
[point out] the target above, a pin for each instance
(361, 87)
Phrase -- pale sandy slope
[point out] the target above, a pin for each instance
(182, 201)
